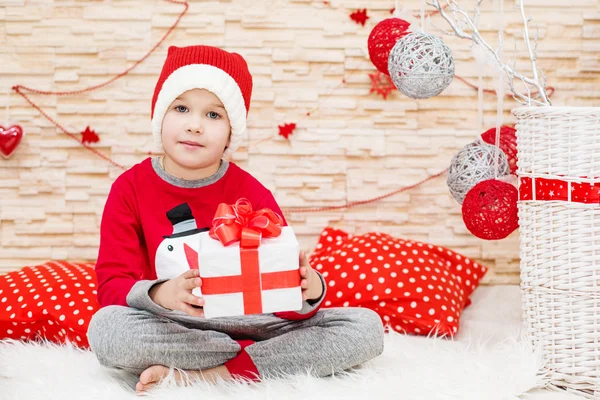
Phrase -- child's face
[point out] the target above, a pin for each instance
(195, 129)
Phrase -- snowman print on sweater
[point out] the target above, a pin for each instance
(178, 252)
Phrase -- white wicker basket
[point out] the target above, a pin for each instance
(560, 243)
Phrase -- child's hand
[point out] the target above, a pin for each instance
(311, 285)
(176, 294)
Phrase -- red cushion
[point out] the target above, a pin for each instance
(415, 287)
(55, 301)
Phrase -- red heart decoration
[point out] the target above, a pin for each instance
(9, 139)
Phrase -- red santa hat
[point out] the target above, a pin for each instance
(204, 67)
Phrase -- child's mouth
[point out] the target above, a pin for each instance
(191, 145)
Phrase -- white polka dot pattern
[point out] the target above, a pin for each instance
(415, 287)
(55, 301)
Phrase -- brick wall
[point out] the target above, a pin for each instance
(353, 146)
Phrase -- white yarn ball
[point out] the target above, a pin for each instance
(472, 164)
(421, 65)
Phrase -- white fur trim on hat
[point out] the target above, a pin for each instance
(213, 79)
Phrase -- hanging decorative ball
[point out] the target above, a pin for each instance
(421, 65)
(490, 210)
(382, 38)
(508, 143)
(472, 164)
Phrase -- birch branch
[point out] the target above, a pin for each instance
(476, 37)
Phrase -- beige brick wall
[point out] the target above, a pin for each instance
(355, 146)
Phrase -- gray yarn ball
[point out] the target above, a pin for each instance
(421, 65)
(472, 164)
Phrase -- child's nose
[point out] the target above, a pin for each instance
(194, 129)
(195, 126)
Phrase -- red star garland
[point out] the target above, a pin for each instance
(286, 130)
(89, 136)
(360, 16)
(381, 84)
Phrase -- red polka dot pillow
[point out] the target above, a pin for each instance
(55, 301)
(415, 287)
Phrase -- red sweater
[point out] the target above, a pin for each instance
(147, 220)
(135, 221)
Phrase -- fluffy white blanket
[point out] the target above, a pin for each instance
(487, 360)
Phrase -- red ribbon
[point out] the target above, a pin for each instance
(559, 190)
(238, 222)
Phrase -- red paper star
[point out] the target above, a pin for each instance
(286, 130)
(89, 136)
(381, 84)
(360, 16)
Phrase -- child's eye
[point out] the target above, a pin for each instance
(181, 109)
(213, 115)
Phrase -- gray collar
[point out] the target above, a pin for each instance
(183, 183)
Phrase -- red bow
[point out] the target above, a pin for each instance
(237, 222)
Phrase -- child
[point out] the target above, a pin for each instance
(150, 320)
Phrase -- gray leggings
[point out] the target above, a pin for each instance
(331, 341)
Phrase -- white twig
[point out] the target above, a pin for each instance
(532, 56)
(475, 36)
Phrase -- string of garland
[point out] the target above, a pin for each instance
(88, 135)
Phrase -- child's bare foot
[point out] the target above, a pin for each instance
(152, 375)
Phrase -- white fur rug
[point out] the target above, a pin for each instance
(487, 360)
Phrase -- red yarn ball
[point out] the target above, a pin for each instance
(508, 143)
(490, 209)
(383, 38)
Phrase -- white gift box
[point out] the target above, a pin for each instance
(258, 290)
